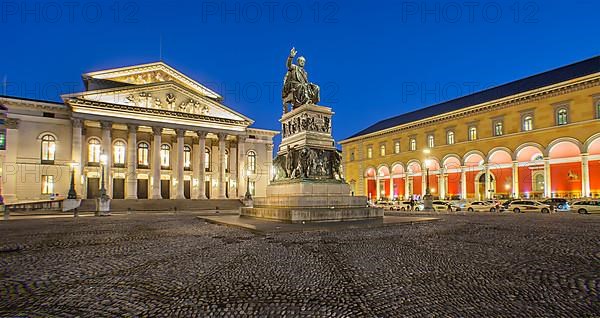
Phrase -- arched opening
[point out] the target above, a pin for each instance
(500, 164)
(383, 183)
(480, 186)
(473, 162)
(565, 170)
(530, 158)
(414, 179)
(452, 167)
(370, 184)
(398, 177)
(593, 151)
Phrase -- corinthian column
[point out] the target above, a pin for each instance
(242, 169)
(76, 152)
(179, 173)
(157, 131)
(131, 162)
(107, 149)
(200, 167)
(222, 166)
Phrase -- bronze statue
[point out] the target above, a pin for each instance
(297, 90)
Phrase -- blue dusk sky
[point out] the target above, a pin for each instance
(372, 59)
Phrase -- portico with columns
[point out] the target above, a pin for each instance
(157, 133)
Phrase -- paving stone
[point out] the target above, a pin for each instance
(176, 265)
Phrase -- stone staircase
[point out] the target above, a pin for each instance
(165, 205)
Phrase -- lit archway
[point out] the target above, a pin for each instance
(415, 178)
(452, 167)
(592, 147)
(565, 168)
(370, 183)
(530, 157)
(500, 164)
(473, 162)
(398, 180)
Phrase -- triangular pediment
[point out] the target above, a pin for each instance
(156, 102)
(157, 72)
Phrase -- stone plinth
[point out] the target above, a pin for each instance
(311, 201)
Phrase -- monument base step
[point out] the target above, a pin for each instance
(298, 215)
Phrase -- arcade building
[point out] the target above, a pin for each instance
(156, 133)
(536, 137)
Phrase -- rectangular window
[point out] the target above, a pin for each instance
(369, 152)
(382, 150)
(473, 133)
(3, 139)
(450, 137)
(430, 141)
(413, 144)
(396, 147)
(498, 129)
(47, 184)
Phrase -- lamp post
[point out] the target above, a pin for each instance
(72, 193)
(103, 161)
(427, 198)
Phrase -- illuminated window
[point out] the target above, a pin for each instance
(396, 147)
(473, 133)
(498, 129)
(165, 156)
(252, 161)
(47, 184)
(598, 109)
(143, 150)
(187, 157)
(119, 150)
(412, 144)
(369, 152)
(450, 138)
(562, 117)
(430, 141)
(94, 150)
(382, 150)
(48, 148)
(207, 161)
(538, 183)
(528, 123)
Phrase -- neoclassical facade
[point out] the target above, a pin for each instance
(533, 138)
(155, 132)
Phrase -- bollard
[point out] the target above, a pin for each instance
(128, 211)
(6, 214)
(76, 212)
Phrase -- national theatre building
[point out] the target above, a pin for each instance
(536, 137)
(158, 134)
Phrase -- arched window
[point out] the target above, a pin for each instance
(48, 149)
(473, 133)
(498, 129)
(413, 144)
(94, 150)
(119, 150)
(187, 157)
(251, 161)
(165, 156)
(430, 141)
(207, 160)
(143, 151)
(562, 117)
(528, 123)
(450, 137)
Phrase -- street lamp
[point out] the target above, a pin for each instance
(103, 161)
(427, 198)
(72, 193)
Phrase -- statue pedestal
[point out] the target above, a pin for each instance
(103, 206)
(308, 185)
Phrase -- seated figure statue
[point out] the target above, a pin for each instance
(297, 90)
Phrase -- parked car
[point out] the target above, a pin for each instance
(386, 205)
(403, 206)
(419, 206)
(439, 205)
(586, 206)
(522, 206)
(480, 206)
(559, 204)
(496, 204)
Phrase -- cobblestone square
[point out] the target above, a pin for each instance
(161, 265)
